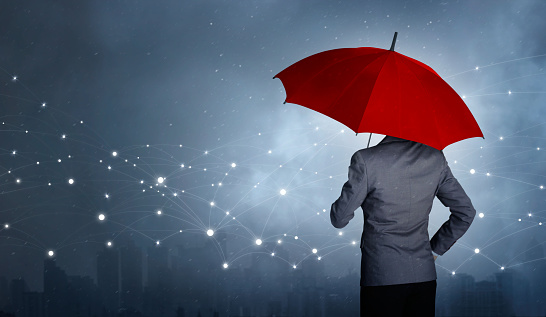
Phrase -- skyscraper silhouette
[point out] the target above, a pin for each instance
(108, 279)
(131, 276)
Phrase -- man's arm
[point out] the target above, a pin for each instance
(452, 195)
(353, 193)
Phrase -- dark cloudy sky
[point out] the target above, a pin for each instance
(145, 77)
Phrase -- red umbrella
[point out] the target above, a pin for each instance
(380, 91)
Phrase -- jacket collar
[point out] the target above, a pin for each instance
(388, 139)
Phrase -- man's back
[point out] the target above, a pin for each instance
(395, 183)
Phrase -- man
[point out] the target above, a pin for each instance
(395, 183)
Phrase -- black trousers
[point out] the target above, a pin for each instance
(413, 299)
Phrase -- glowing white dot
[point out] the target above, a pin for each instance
(541, 187)
(529, 214)
(340, 233)
(114, 154)
(472, 171)
(540, 223)
(283, 191)
(210, 232)
(159, 212)
(272, 253)
(50, 253)
(212, 203)
(315, 250)
(259, 241)
(464, 97)
(6, 226)
(109, 243)
(106, 196)
(538, 149)
(519, 219)
(509, 92)
(502, 267)
(160, 180)
(342, 131)
(481, 215)
(102, 217)
(109, 167)
(296, 238)
(219, 184)
(269, 152)
(71, 181)
(233, 164)
(316, 128)
(285, 234)
(279, 241)
(13, 152)
(476, 250)
(18, 181)
(206, 152)
(14, 78)
(453, 273)
(477, 68)
(488, 174)
(37, 163)
(157, 242)
(63, 136)
(501, 138)
(294, 266)
(354, 242)
(182, 165)
(225, 265)
(319, 258)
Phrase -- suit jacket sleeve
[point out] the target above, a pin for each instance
(353, 193)
(452, 195)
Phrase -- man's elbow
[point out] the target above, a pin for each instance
(337, 223)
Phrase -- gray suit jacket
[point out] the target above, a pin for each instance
(395, 183)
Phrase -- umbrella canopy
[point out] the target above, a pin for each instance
(380, 91)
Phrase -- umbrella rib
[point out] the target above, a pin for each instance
(353, 81)
(364, 110)
(429, 95)
(326, 68)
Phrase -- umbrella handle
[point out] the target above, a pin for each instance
(369, 139)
